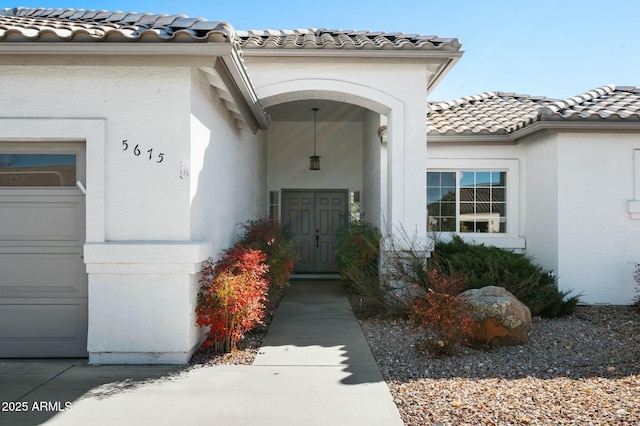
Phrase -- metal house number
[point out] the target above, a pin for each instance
(137, 152)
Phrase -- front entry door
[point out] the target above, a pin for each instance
(314, 218)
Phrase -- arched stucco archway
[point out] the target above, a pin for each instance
(327, 89)
(403, 195)
(403, 198)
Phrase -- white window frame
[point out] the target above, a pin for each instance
(510, 239)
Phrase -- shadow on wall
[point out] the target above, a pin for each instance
(227, 173)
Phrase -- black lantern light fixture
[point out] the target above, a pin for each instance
(314, 163)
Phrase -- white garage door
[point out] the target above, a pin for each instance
(43, 283)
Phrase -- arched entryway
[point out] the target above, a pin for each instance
(315, 204)
(385, 180)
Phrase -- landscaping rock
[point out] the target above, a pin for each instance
(500, 318)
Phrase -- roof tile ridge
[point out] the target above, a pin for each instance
(556, 106)
(442, 105)
(629, 89)
(126, 20)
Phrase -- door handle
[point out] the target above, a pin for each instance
(317, 238)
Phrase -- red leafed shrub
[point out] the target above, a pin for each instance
(445, 315)
(268, 236)
(232, 296)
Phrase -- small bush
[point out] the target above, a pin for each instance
(358, 250)
(277, 244)
(232, 296)
(358, 247)
(445, 316)
(484, 265)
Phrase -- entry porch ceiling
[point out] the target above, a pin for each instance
(327, 111)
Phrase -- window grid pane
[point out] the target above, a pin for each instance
(483, 202)
(441, 201)
(477, 205)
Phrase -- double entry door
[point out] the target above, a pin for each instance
(314, 217)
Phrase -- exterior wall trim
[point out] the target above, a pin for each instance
(513, 137)
(88, 130)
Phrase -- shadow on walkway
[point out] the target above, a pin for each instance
(315, 368)
(315, 326)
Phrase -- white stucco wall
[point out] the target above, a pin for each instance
(144, 199)
(339, 144)
(148, 227)
(540, 198)
(573, 205)
(365, 82)
(598, 239)
(228, 170)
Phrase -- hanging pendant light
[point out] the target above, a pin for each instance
(314, 160)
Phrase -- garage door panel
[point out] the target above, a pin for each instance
(43, 279)
(60, 330)
(42, 275)
(41, 221)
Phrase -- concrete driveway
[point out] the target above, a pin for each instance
(314, 368)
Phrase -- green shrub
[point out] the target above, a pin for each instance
(358, 250)
(358, 246)
(484, 265)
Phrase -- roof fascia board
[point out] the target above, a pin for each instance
(133, 49)
(340, 53)
(238, 72)
(442, 72)
(536, 127)
(236, 80)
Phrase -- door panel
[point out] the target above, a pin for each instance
(43, 280)
(314, 218)
(43, 283)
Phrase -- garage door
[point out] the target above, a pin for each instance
(43, 283)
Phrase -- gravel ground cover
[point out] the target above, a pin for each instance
(583, 369)
(244, 355)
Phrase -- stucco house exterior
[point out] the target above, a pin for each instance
(133, 145)
(556, 178)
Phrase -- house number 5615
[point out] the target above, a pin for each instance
(137, 152)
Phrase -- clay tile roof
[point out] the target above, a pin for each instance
(46, 25)
(495, 113)
(486, 113)
(604, 103)
(342, 39)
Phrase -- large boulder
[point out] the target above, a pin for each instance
(500, 318)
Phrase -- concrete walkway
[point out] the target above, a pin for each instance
(315, 368)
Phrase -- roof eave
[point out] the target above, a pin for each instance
(512, 137)
(443, 71)
(101, 48)
(351, 53)
(253, 112)
(253, 115)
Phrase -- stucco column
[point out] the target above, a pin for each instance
(142, 300)
(406, 168)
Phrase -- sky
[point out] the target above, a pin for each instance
(554, 48)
